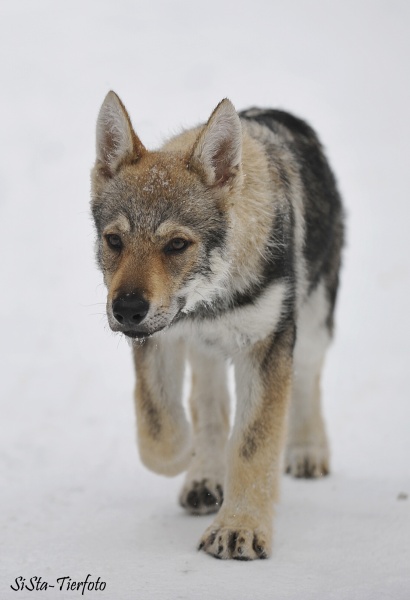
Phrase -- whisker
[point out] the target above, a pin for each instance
(95, 304)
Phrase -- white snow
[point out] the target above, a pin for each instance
(74, 498)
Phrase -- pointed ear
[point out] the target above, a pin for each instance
(218, 150)
(116, 139)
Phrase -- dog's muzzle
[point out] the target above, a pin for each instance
(130, 311)
(129, 314)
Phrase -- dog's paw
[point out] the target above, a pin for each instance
(201, 497)
(308, 461)
(239, 544)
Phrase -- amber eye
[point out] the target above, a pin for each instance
(176, 245)
(114, 241)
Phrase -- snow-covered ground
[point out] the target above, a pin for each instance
(74, 498)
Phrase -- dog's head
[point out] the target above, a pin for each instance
(162, 218)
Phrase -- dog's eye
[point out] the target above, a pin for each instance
(114, 241)
(176, 245)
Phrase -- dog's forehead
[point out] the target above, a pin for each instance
(157, 173)
(146, 195)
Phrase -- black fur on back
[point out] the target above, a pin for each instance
(323, 207)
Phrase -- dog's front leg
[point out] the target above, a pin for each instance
(243, 527)
(202, 492)
(164, 437)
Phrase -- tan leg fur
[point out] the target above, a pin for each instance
(243, 527)
(164, 437)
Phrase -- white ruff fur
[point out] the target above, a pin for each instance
(241, 327)
(201, 288)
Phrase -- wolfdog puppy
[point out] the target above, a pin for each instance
(223, 245)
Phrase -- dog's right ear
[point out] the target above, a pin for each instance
(116, 140)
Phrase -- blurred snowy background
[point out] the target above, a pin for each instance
(74, 498)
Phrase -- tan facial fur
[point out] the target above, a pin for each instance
(143, 267)
(168, 282)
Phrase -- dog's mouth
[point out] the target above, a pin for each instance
(141, 335)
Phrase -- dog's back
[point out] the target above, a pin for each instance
(322, 207)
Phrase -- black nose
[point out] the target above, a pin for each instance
(130, 309)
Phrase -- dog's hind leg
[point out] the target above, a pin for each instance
(202, 491)
(307, 451)
(164, 434)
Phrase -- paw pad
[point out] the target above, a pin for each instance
(200, 497)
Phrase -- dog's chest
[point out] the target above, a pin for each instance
(240, 327)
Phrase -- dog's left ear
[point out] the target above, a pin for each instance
(217, 152)
(116, 140)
